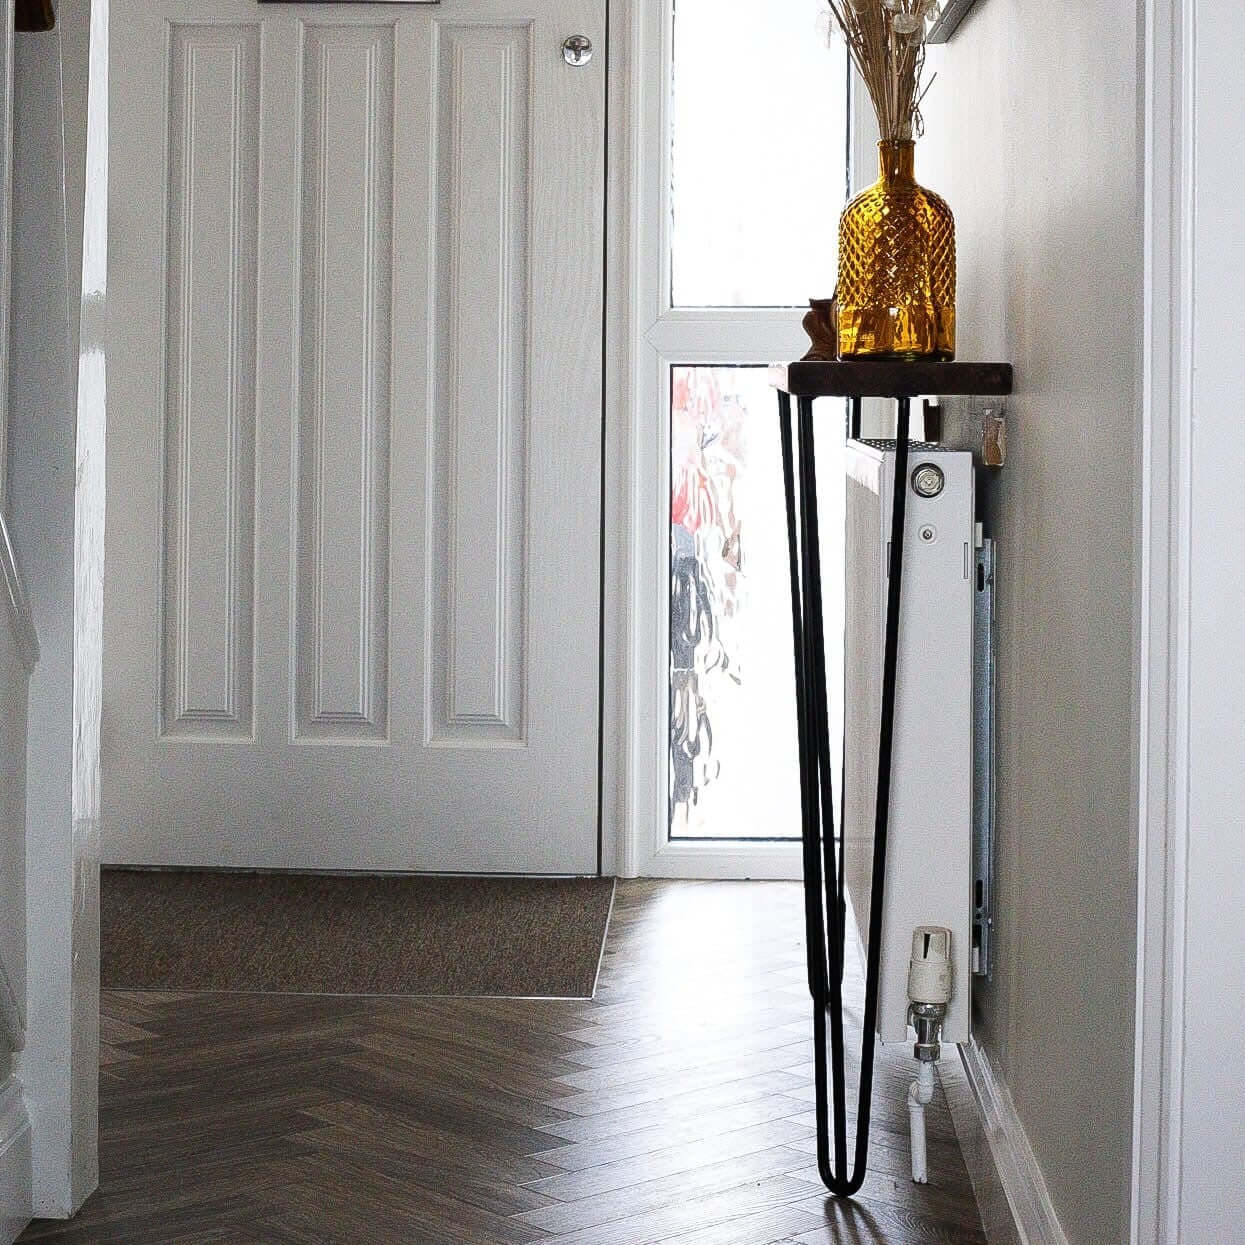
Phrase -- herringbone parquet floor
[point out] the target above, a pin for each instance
(674, 1107)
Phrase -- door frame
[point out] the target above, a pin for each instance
(638, 335)
(54, 443)
(1184, 796)
(1161, 653)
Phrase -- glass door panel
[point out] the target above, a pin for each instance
(733, 771)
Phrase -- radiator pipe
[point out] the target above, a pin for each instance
(920, 1094)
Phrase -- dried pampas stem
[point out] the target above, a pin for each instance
(886, 41)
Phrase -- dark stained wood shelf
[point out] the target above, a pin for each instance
(890, 379)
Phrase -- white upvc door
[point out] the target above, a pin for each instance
(352, 614)
(739, 180)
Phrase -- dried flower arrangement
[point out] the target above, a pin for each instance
(886, 41)
(895, 297)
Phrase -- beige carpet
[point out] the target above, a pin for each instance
(318, 934)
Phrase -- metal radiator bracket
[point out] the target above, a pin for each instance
(985, 639)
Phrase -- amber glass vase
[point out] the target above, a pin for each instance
(896, 291)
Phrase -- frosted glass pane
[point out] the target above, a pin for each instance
(733, 761)
(759, 153)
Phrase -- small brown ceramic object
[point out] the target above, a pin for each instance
(821, 323)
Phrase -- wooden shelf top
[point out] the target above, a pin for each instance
(890, 379)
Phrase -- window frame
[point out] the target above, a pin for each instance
(662, 336)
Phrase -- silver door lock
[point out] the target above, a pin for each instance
(577, 50)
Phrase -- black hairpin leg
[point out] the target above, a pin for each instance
(823, 891)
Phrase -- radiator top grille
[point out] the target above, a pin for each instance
(918, 447)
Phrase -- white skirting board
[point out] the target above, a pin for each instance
(14, 1164)
(1011, 1191)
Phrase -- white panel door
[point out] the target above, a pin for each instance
(354, 436)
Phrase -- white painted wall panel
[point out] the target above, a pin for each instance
(342, 628)
(209, 496)
(1209, 1095)
(18, 650)
(1031, 135)
(55, 505)
(14, 677)
(15, 1160)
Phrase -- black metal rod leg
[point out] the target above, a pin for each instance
(825, 962)
(808, 790)
(814, 931)
(881, 827)
(815, 666)
(816, 703)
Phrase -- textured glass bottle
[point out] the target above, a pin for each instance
(896, 291)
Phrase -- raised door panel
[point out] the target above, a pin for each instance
(209, 366)
(344, 396)
(478, 540)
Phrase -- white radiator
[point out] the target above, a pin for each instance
(929, 848)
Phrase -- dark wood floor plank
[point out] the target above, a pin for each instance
(674, 1109)
(688, 1156)
(652, 1197)
(679, 1217)
(613, 1147)
(770, 1226)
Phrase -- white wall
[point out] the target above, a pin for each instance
(1031, 134)
(55, 504)
(1210, 1105)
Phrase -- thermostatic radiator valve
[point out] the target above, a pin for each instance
(929, 987)
(929, 992)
